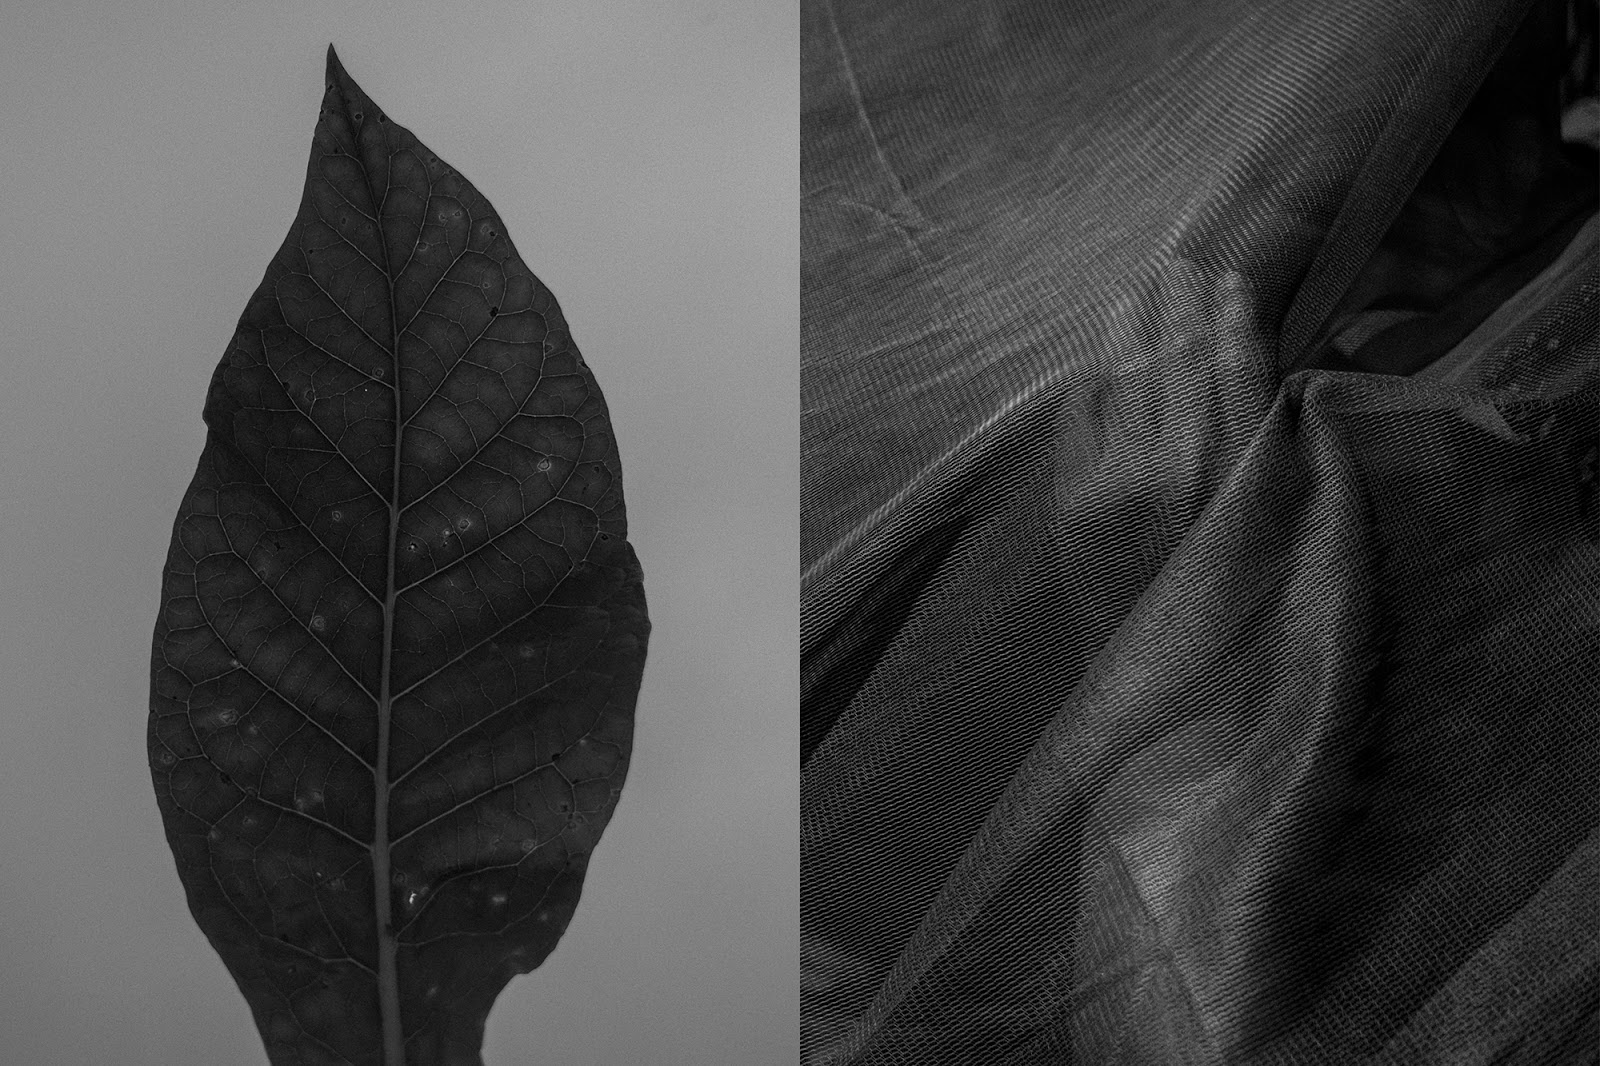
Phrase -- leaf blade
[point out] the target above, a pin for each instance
(402, 630)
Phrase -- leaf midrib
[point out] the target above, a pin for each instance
(388, 971)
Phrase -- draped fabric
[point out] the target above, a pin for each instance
(1200, 532)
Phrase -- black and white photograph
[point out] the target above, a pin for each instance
(1200, 600)
(400, 501)
(800, 533)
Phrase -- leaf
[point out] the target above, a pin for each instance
(402, 630)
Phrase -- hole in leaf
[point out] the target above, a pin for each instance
(358, 116)
(494, 311)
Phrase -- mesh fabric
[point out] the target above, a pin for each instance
(1194, 669)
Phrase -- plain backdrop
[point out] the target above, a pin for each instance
(644, 156)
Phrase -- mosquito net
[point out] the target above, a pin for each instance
(1201, 536)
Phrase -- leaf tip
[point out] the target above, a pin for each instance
(336, 73)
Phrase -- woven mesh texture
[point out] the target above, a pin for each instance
(1201, 535)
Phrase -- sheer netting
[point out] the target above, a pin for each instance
(1201, 532)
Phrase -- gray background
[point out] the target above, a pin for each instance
(644, 157)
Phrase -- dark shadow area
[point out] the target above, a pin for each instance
(831, 674)
(1501, 201)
